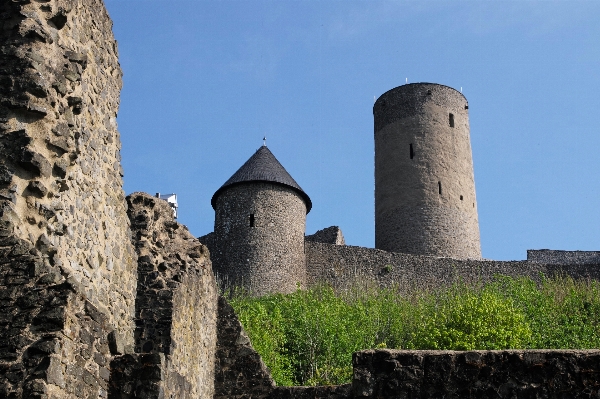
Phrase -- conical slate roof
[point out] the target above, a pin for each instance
(263, 167)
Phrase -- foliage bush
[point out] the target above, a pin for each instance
(308, 337)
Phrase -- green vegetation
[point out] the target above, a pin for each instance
(308, 337)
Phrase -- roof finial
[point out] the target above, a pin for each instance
(264, 141)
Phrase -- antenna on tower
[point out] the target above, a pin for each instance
(461, 89)
(406, 80)
(264, 141)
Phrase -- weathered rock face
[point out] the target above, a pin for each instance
(176, 306)
(64, 234)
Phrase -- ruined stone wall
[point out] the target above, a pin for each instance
(80, 367)
(563, 257)
(176, 305)
(425, 200)
(53, 341)
(240, 371)
(67, 264)
(476, 374)
(259, 234)
(343, 266)
(60, 173)
(328, 235)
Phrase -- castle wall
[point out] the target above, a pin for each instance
(476, 374)
(176, 305)
(240, 371)
(343, 266)
(268, 256)
(53, 341)
(81, 366)
(563, 257)
(63, 227)
(425, 200)
(328, 235)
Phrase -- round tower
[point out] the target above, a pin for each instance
(260, 222)
(424, 184)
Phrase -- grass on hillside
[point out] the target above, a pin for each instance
(308, 337)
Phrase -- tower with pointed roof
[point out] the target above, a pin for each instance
(260, 221)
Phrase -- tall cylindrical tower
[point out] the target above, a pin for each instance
(424, 184)
(260, 222)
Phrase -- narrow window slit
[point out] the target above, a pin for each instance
(440, 187)
(412, 153)
(461, 197)
(251, 220)
(451, 120)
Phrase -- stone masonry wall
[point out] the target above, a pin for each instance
(328, 235)
(67, 266)
(240, 371)
(476, 374)
(176, 306)
(343, 266)
(53, 341)
(59, 166)
(563, 257)
(80, 365)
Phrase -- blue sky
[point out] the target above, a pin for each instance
(205, 80)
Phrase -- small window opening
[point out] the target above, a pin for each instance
(473, 205)
(466, 107)
(412, 152)
(451, 117)
(251, 220)
(440, 187)
(428, 92)
(461, 197)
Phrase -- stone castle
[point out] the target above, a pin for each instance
(426, 225)
(107, 296)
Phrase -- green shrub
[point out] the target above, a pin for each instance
(463, 318)
(308, 337)
(563, 313)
